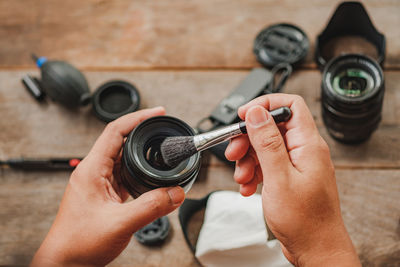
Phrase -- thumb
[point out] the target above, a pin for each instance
(151, 206)
(267, 142)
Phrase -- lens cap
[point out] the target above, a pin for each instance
(115, 99)
(154, 233)
(281, 43)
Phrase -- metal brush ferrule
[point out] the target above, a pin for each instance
(210, 139)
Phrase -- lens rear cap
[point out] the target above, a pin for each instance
(115, 99)
(281, 43)
(154, 233)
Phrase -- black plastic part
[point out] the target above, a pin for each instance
(242, 127)
(351, 119)
(29, 164)
(281, 73)
(256, 83)
(188, 208)
(32, 85)
(142, 166)
(350, 19)
(65, 84)
(281, 43)
(114, 99)
(281, 114)
(252, 86)
(154, 233)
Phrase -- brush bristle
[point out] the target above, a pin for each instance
(176, 149)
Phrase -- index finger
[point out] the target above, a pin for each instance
(302, 139)
(300, 124)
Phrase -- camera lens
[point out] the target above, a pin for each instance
(143, 167)
(153, 153)
(352, 97)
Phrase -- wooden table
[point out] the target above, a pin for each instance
(199, 51)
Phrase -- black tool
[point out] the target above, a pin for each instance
(65, 84)
(42, 164)
(154, 233)
(61, 81)
(178, 148)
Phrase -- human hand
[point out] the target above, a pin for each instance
(93, 225)
(299, 193)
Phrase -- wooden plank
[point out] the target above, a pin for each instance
(33, 130)
(29, 201)
(370, 208)
(166, 34)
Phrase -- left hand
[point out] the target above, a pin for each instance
(93, 225)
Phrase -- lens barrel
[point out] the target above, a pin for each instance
(352, 93)
(143, 168)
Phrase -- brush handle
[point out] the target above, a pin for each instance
(206, 140)
(42, 164)
(281, 114)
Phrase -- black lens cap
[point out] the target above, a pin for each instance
(154, 233)
(281, 43)
(115, 99)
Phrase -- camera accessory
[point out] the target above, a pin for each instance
(259, 81)
(115, 99)
(281, 43)
(278, 46)
(175, 149)
(154, 233)
(62, 82)
(32, 85)
(352, 88)
(42, 164)
(352, 97)
(349, 19)
(143, 167)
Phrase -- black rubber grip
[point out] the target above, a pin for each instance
(281, 114)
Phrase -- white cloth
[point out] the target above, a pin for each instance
(234, 233)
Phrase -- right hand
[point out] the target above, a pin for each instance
(299, 193)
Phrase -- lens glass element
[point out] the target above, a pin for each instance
(152, 153)
(353, 82)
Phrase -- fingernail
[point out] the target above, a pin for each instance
(257, 117)
(159, 107)
(175, 193)
(228, 148)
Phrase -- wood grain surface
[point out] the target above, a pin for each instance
(34, 130)
(369, 194)
(165, 34)
(185, 55)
